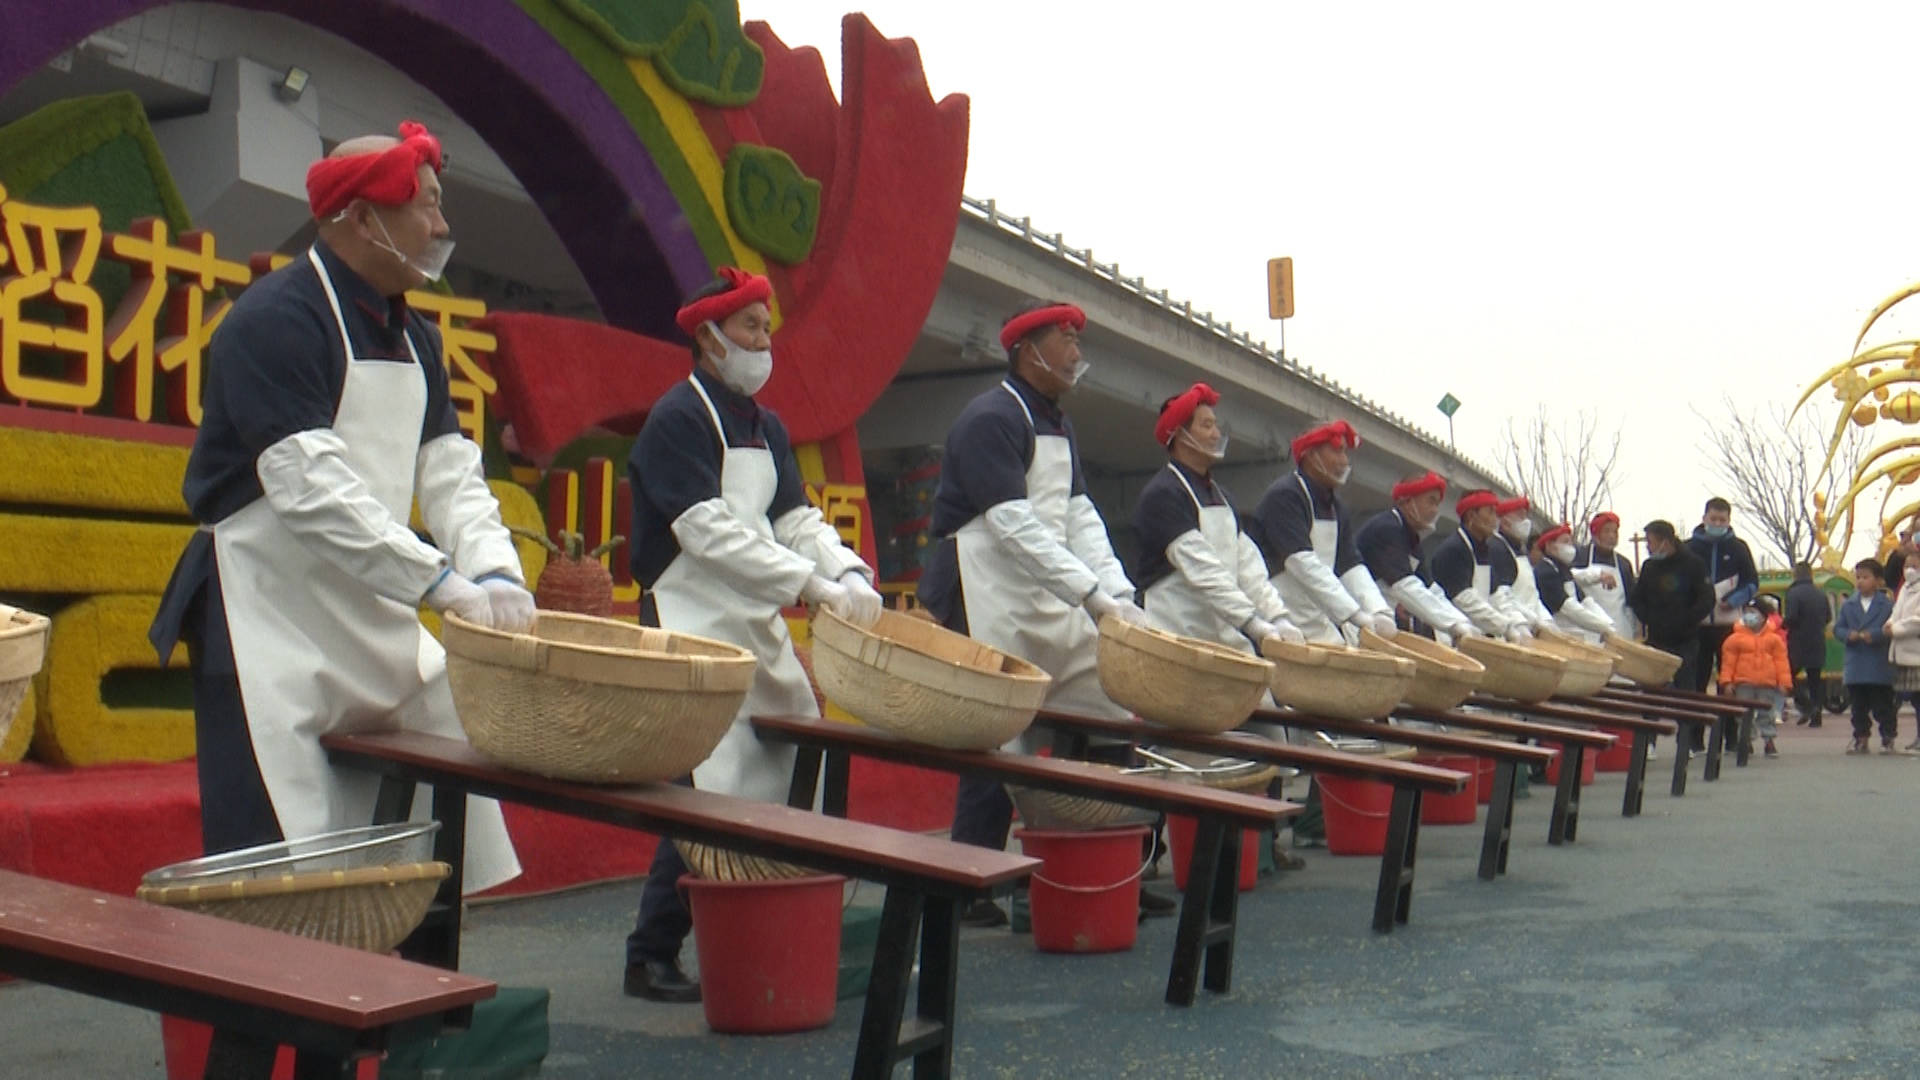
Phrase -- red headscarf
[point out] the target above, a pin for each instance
(1601, 520)
(388, 177)
(1062, 315)
(1335, 431)
(1474, 500)
(742, 289)
(1513, 505)
(1547, 538)
(1409, 489)
(1176, 413)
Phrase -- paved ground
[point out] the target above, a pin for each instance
(1761, 926)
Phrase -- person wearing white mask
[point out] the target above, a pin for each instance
(327, 416)
(1574, 612)
(1522, 599)
(1390, 544)
(723, 540)
(1201, 574)
(1473, 569)
(1605, 574)
(1024, 562)
(1301, 527)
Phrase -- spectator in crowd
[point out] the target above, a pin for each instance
(1862, 627)
(1670, 598)
(1753, 667)
(1898, 558)
(1904, 627)
(1805, 618)
(1735, 581)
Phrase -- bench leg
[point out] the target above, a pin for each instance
(1566, 796)
(1743, 742)
(436, 940)
(1203, 872)
(1716, 742)
(1223, 915)
(233, 1055)
(1682, 750)
(393, 802)
(1493, 848)
(1393, 900)
(939, 977)
(1636, 774)
(833, 802)
(879, 1045)
(308, 1065)
(806, 778)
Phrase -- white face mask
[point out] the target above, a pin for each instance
(744, 371)
(1520, 530)
(430, 264)
(1219, 449)
(1752, 621)
(1073, 377)
(1562, 552)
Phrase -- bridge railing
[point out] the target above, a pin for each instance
(988, 210)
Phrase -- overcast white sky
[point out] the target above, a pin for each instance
(1638, 209)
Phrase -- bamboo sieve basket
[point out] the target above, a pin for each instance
(23, 651)
(1334, 680)
(1443, 677)
(1641, 663)
(1179, 682)
(1588, 666)
(1513, 672)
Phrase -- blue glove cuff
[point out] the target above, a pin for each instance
(436, 582)
(500, 575)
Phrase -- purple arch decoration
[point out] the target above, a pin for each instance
(551, 124)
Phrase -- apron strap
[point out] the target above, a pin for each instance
(340, 320)
(713, 414)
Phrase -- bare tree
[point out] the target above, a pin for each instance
(1567, 473)
(1770, 467)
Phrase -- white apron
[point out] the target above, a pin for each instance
(695, 603)
(1567, 626)
(1174, 605)
(1009, 611)
(1302, 607)
(1526, 591)
(318, 652)
(1612, 601)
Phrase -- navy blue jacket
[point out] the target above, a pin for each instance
(1453, 561)
(1727, 557)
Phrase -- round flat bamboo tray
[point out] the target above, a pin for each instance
(918, 680)
(1059, 810)
(372, 907)
(23, 651)
(1588, 666)
(1224, 773)
(1179, 682)
(719, 864)
(1334, 680)
(1513, 672)
(1643, 664)
(1442, 677)
(594, 700)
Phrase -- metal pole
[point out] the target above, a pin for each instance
(1450, 446)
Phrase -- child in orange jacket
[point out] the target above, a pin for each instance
(1753, 667)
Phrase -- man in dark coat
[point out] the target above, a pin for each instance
(1733, 578)
(1670, 598)
(1806, 616)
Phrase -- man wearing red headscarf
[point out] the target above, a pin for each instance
(723, 539)
(1390, 544)
(1605, 574)
(1302, 529)
(1574, 612)
(327, 417)
(1475, 569)
(1521, 599)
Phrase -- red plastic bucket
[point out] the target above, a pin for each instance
(1617, 759)
(1356, 813)
(1085, 898)
(769, 951)
(1459, 809)
(185, 1042)
(1180, 830)
(1483, 783)
(1587, 766)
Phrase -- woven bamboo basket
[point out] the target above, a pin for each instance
(1513, 672)
(595, 700)
(1180, 682)
(1224, 773)
(1059, 810)
(1588, 666)
(1643, 664)
(1443, 678)
(371, 907)
(1334, 680)
(719, 864)
(23, 651)
(925, 683)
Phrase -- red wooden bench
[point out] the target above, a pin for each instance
(1208, 910)
(1644, 726)
(258, 989)
(927, 878)
(1563, 826)
(1729, 711)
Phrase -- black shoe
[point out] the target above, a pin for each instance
(1803, 721)
(1154, 905)
(983, 914)
(1815, 723)
(661, 980)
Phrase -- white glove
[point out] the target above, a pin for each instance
(1289, 633)
(456, 595)
(820, 593)
(1467, 629)
(1384, 625)
(1518, 634)
(1099, 605)
(863, 601)
(511, 603)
